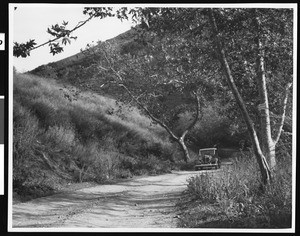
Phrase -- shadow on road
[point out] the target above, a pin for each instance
(139, 202)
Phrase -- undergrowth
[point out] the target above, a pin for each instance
(233, 197)
(62, 135)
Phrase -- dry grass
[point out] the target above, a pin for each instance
(232, 198)
(63, 135)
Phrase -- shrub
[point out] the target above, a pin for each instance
(215, 127)
(25, 132)
(45, 113)
(62, 118)
(85, 124)
(59, 137)
(29, 173)
(127, 163)
(152, 165)
(238, 195)
(124, 174)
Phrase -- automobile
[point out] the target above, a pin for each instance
(208, 159)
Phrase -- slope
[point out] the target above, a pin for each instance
(64, 135)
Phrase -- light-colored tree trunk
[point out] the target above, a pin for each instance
(263, 165)
(184, 149)
(267, 142)
(268, 146)
(180, 139)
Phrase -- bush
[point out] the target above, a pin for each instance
(85, 124)
(59, 138)
(124, 174)
(44, 113)
(90, 166)
(237, 193)
(62, 118)
(26, 130)
(127, 163)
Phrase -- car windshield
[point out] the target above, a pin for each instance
(207, 152)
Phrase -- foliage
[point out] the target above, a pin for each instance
(135, 74)
(276, 34)
(172, 49)
(23, 49)
(57, 140)
(215, 129)
(233, 198)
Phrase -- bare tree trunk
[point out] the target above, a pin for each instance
(271, 153)
(268, 143)
(282, 117)
(184, 149)
(182, 137)
(263, 165)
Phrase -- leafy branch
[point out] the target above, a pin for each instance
(58, 32)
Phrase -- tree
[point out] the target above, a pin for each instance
(264, 168)
(161, 96)
(253, 46)
(262, 38)
(245, 41)
(266, 146)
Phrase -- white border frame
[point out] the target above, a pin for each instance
(10, 113)
(2, 162)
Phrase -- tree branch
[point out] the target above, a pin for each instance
(149, 113)
(286, 95)
(80, 24)
(287, 133)
(198, 111)
(111, 67)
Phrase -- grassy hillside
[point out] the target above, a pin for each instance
(64, 135)
(79, 71)
(119, 41)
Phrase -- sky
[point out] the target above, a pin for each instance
(30, 21)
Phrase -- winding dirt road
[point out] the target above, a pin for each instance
(142, 202)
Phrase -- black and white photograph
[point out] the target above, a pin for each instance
(152, 117)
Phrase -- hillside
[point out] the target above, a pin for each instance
(118, 41)
(81, 70)
(64, 135)
(76, 69)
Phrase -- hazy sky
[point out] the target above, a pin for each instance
(31, 22)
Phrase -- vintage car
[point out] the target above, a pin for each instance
(208, 159)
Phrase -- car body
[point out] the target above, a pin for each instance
(208, 159)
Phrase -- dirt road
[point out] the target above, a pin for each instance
(143, 202)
